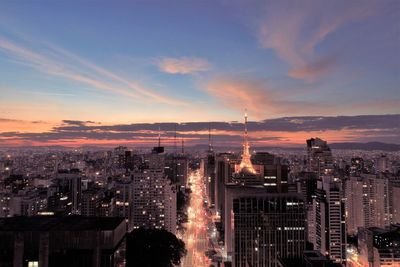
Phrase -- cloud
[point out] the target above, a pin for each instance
(295, 29)
(279, 131)
(313, 70)
(258, 98)
(263, 100)
(24, 126)
(183, 65)
(77, 123)
(56, 61)
(241, 94)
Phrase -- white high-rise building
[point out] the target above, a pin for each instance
(330, 226)
(356, 200)
(379, 199)
(395, 203)
(170, 207)
(154, 200)
(382, 164)
(367, 202)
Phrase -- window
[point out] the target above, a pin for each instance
(33, 264)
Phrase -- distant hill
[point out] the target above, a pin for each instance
(366, 146)
(203, 147)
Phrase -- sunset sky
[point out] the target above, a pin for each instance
(106, 72)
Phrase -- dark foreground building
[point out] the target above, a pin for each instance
(60, 241)
(310, 258)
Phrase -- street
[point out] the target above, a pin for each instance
(198, 227)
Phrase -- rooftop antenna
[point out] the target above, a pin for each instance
(175, 147)
(246, 164)
(209, 138)
(159, 136)
(245, 123)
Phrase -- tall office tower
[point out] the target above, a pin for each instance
(6, 207)
(123, 200)
(319, 157)
(330, 226)
(310, 258)
(224, 168)
(155, 160)
(70, 182)
(177, 169)
(306, 185)
(209, 176)
(30, 203)
(106, 208)
(261, 227)
(154, 199)
(379, 246)
(357, 166)
(91, 200)
(394, 194)
(119, 157)
(170, 207)
(382, 164)
(209, 171)
(263, 158)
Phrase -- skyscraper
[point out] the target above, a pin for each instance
(154, 195)
(367, 202)
(71, 182)
(123, 200)
(260, 227)
(379, 246)
(319, 157)
(330, 226)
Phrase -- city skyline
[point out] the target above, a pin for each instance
(104, 74)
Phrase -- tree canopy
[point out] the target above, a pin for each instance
(153, 248)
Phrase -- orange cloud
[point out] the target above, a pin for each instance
(183, 65)
(10, 125)
(241, 94)
(263, 101)
(260, 100)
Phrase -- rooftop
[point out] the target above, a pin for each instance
(55, 223)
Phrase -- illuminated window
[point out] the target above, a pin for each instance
(33, 264)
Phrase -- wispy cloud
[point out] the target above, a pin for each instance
(259, 98)
(262, 100)
(59, 62)
(241, 94)
(295, 29)
(183, 65)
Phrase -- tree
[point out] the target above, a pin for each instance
(153, 248)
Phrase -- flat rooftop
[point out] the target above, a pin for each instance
(55, 223)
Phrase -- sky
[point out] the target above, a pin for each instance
(107, 73)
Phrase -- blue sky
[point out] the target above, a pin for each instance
(158, 61)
